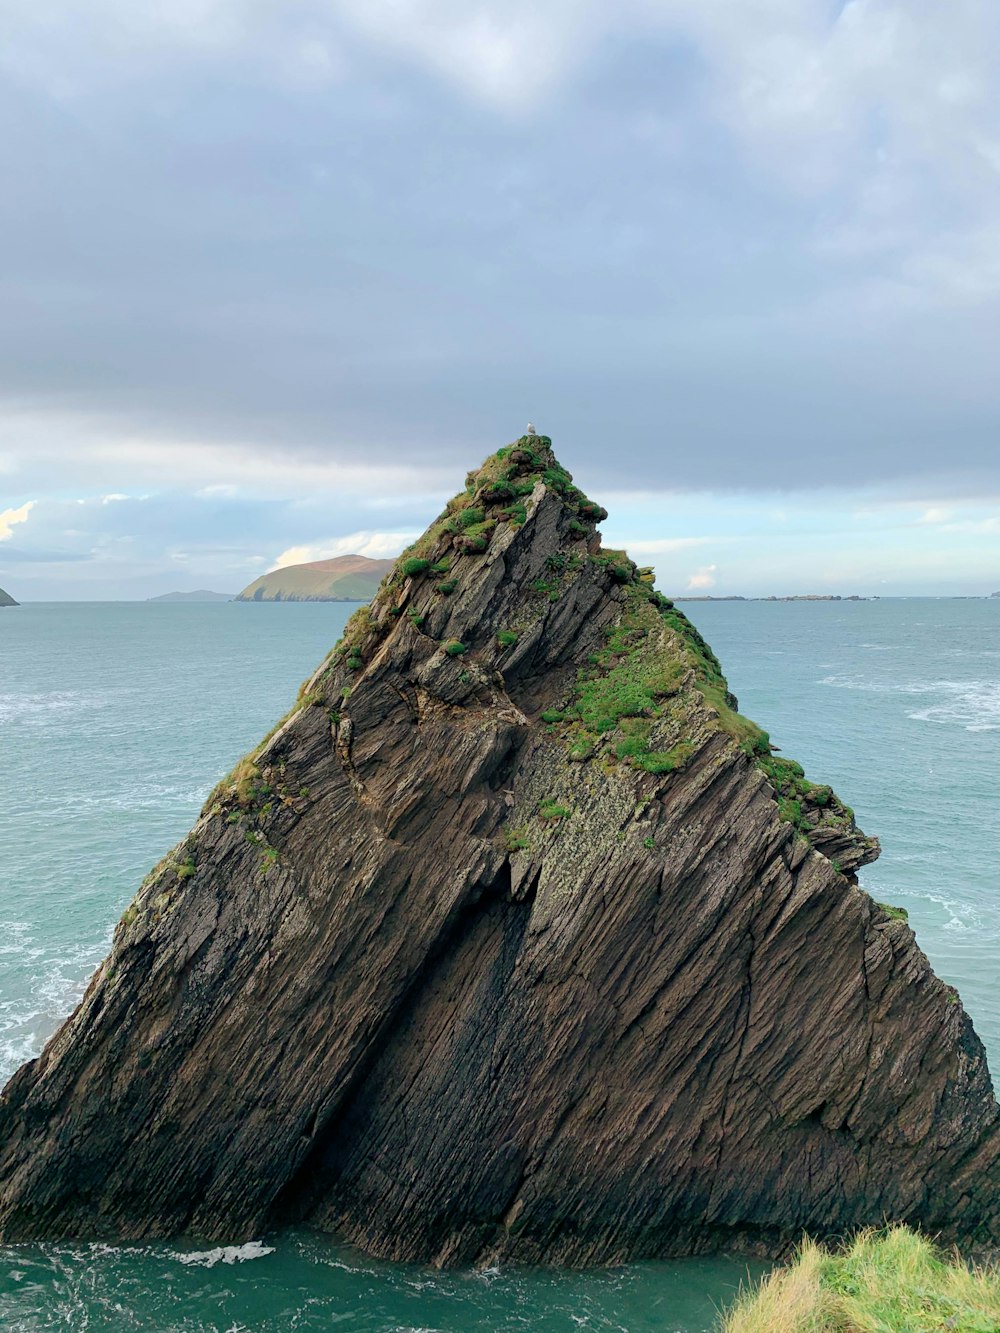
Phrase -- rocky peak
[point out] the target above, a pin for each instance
(513, 940)
(510, 594)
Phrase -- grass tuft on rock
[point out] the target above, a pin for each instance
(897, 913)
(891, 1281)
(414, 565)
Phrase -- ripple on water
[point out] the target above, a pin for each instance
(308, 1282)
(46, 709)
(38, 987)
(972, 704)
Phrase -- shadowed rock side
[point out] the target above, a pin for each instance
(6, 599)
(512, 941)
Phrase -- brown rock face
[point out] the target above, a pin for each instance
(513, 941)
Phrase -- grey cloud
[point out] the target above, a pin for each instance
(371, 264)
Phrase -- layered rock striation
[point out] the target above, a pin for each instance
(6, 599)
(513, 941)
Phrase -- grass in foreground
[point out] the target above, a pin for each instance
(891, 1281)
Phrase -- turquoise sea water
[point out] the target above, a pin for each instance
(117, 719)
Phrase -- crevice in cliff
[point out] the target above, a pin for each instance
(742, 1028)
(482, 941)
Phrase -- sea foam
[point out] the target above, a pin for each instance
(223, 1254)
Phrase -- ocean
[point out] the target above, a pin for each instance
(116, 719)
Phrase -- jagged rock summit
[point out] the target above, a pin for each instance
(514, 940)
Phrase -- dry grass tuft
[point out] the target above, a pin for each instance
(891, 1281)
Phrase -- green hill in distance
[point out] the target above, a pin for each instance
(6, 599)
(345, 578)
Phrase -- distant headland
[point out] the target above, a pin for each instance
(6, 599)
(199, 595)
(798, 597)
(344, 578)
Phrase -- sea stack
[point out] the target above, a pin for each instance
(513, 942)
(6, 599)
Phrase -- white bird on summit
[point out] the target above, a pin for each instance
(530, 430)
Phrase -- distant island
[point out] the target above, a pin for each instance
(200, 595)
(345, 578)
(6, 599)
(797, 597)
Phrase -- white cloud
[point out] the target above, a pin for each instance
(375, 545)
(221, 491)
(86, 452)
(510, 54)
(936, 514)
(9, 517)
(703, 577)
(659, 545)
(982, 527)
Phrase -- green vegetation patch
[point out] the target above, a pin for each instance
(515, 839)
(247, 785)
(413, 565)
(618, 698)
(891, 1281)
(629, 679)
(665, 761)
(515, 514)
(617, 564)
(359, 632)
(897, 913)
(475, 537)
(548, 588)
(801, 802)
(506, 638)
(551, 810)
(468, 518)
(454, 648)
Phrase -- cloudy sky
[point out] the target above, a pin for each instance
(275, 273)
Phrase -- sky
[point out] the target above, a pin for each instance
(275, 275)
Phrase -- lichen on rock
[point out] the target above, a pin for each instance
(513, 940)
